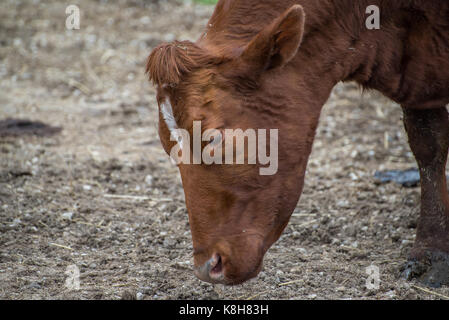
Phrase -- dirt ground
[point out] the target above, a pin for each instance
(102, 195)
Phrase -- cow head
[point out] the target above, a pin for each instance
(235, 212)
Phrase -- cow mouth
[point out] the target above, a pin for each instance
(247, 276)
(226, 268)
(214, 272)
(232, 280)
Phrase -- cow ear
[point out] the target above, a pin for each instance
(276, 44)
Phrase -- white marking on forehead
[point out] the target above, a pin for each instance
(167, 115)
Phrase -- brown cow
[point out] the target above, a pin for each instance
(272, 64)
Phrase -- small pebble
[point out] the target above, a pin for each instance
(149, 180)
(67, 215)
(15, 223)
(34, 285)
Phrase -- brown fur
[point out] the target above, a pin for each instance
(272, 64)
(169, 62)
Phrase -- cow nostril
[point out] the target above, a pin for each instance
(212, 271)
(217, 267)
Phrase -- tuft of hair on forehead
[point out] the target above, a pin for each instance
(169, 62)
